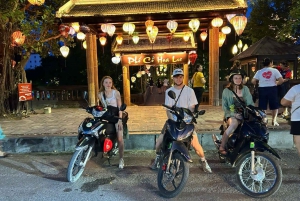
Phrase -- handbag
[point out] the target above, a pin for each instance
(288, 118)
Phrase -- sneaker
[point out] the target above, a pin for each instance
(274, 123)
(205, 167)
(155, 164)
(121, 163)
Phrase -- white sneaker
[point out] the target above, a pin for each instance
(121, 163)
(206, 167)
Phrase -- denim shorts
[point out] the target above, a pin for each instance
(268, 95)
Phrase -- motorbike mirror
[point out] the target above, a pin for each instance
(172, 94)
(85, 95)
(123, 107)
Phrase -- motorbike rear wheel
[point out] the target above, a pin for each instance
(171, 183)
(267, 179)
(77, 163)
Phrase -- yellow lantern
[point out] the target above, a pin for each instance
(194, 24)
(245, 47)
(217, 22)
(234, 49)
(133, 79)
(80, 36)
(240, 44)
(152, 35)
(111, 29)
(104, 28)
(75, 26)
(18, 38)
(239, 23)
(149, 23)
(203, 36)
(102, 40)
(84, 44)
(226, 30)
(37, 2)
(128, 27)
(64, 51)
(186, 36)
(119, 39)
(172, 26)
(229, 16)
(135, 38)
(222, 38)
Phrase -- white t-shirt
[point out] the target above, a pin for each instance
(186, 99)
(294, 95)
(267, 77)
(166, 81)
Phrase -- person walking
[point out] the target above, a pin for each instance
(292, 98)
(159, 85)
(230, 104)
(187, 99)
(198, 81)
(110, 97)
(269, 78)
(151, 84)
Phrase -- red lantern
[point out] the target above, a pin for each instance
(64, 30)
(17, 38)
(192, 57)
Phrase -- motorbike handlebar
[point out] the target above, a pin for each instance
(166, 106)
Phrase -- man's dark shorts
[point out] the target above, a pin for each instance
(268, 95)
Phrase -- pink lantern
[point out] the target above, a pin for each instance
(192, 57)
(64, 30)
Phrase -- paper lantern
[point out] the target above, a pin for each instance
(234, 49)
(37, 2)
(80, 36)
(222, 38)
(149, 23)
(194, 24)
(240, 44)
(102, 40)
(72, 31)
(226, 30)
(119, 39)
(192, 57)
(203, 36)
(148, 66)
(84, 29)
(172, 26)
(186, 36)
(64, 30)
(111, 29)
(128, 27)
(84, 44)
(139, 74)
(245, 47)
(104, 28)
(230, 16)
(217, 22)
(116, 60)
(18, 38)
(133, 79)
(135, 38)
(152, 35)
(239, 23)
(64, 51)
(76, 26)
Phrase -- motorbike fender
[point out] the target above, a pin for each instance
(180, 147)
(85, 141)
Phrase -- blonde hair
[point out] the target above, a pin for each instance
(102, 88)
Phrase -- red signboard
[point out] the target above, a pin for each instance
(25, 90)
(155, 59)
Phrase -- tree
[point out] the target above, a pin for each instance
(40, 27)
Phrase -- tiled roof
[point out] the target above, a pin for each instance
(267, 46)
(150, 7)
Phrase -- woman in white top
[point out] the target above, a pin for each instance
(268, 78)
(113, 98)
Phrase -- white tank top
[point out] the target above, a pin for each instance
(112, 100)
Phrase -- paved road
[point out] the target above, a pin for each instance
(42, 177)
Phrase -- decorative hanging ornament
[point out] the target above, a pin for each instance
(240, 44)
(119, 39)
(148, 66)
(104, 28)
(172, 26)
(76, 26)
(102, 40)
(128, 27)
(194, 24)
(84, 44)
(229, 16)
(217, 22)
(192, 57)
(133, 79)
(149, 23)
(37, 2)
(203, 36)
(139, 74)
(111, 29)
(234, 49)
(80, 36)
(116, 60)
(222, 38)
(135, 38)
(239, 23)
(226, 30)
(64, 30)
(64, 51)
(72, 31)
(17, 38)
(169, 37)
(152, 35)
(245, 47)
(85, 29)
(186, 36)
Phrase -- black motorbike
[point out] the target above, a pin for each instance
(96, 133)
(258, 173)
(173, 168)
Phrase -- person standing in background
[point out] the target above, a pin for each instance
(237, 66)
(151, 84)
(165, 84)
(159, 85)
(198, 81)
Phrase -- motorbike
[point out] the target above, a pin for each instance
(173, 168)
(93, 134)
(258, 172)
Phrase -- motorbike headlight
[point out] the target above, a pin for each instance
(187, 118)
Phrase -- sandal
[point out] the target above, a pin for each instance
(274, 123)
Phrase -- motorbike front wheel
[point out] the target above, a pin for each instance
(78, 162)
(171, 183)
(267, 178)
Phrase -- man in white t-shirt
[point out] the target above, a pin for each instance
(187, 99)
(268, 78)
(292, 98)
(165, 84)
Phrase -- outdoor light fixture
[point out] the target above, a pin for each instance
(186, 36)
(234, 50)
(102, 40)
(117, 54)
(135, 38)
(37, 2)
(229, 16)
(119, 39)
(239, 23)
(139, 74)
(194, 24)
(76, 26)
(217, 22)
(226, 30)
(72, 31)
(84, 44)
(64, 30)
(80, 36)
(152, 35)
(192, 57)
(104, 28)
(203, 36)
(149, 23)
(222, 38)
(172, 26)
(111, 29)
(128, 27)
(245, 47)
(133, 79)
(64, 51)
(18, 38)
(116, 60)
(240, 44)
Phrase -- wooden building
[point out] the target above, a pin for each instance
(95, 13)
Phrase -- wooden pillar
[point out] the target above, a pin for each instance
(126, 85)
(90, 69)
(186, 74)
(214, 66)
(95, 64)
